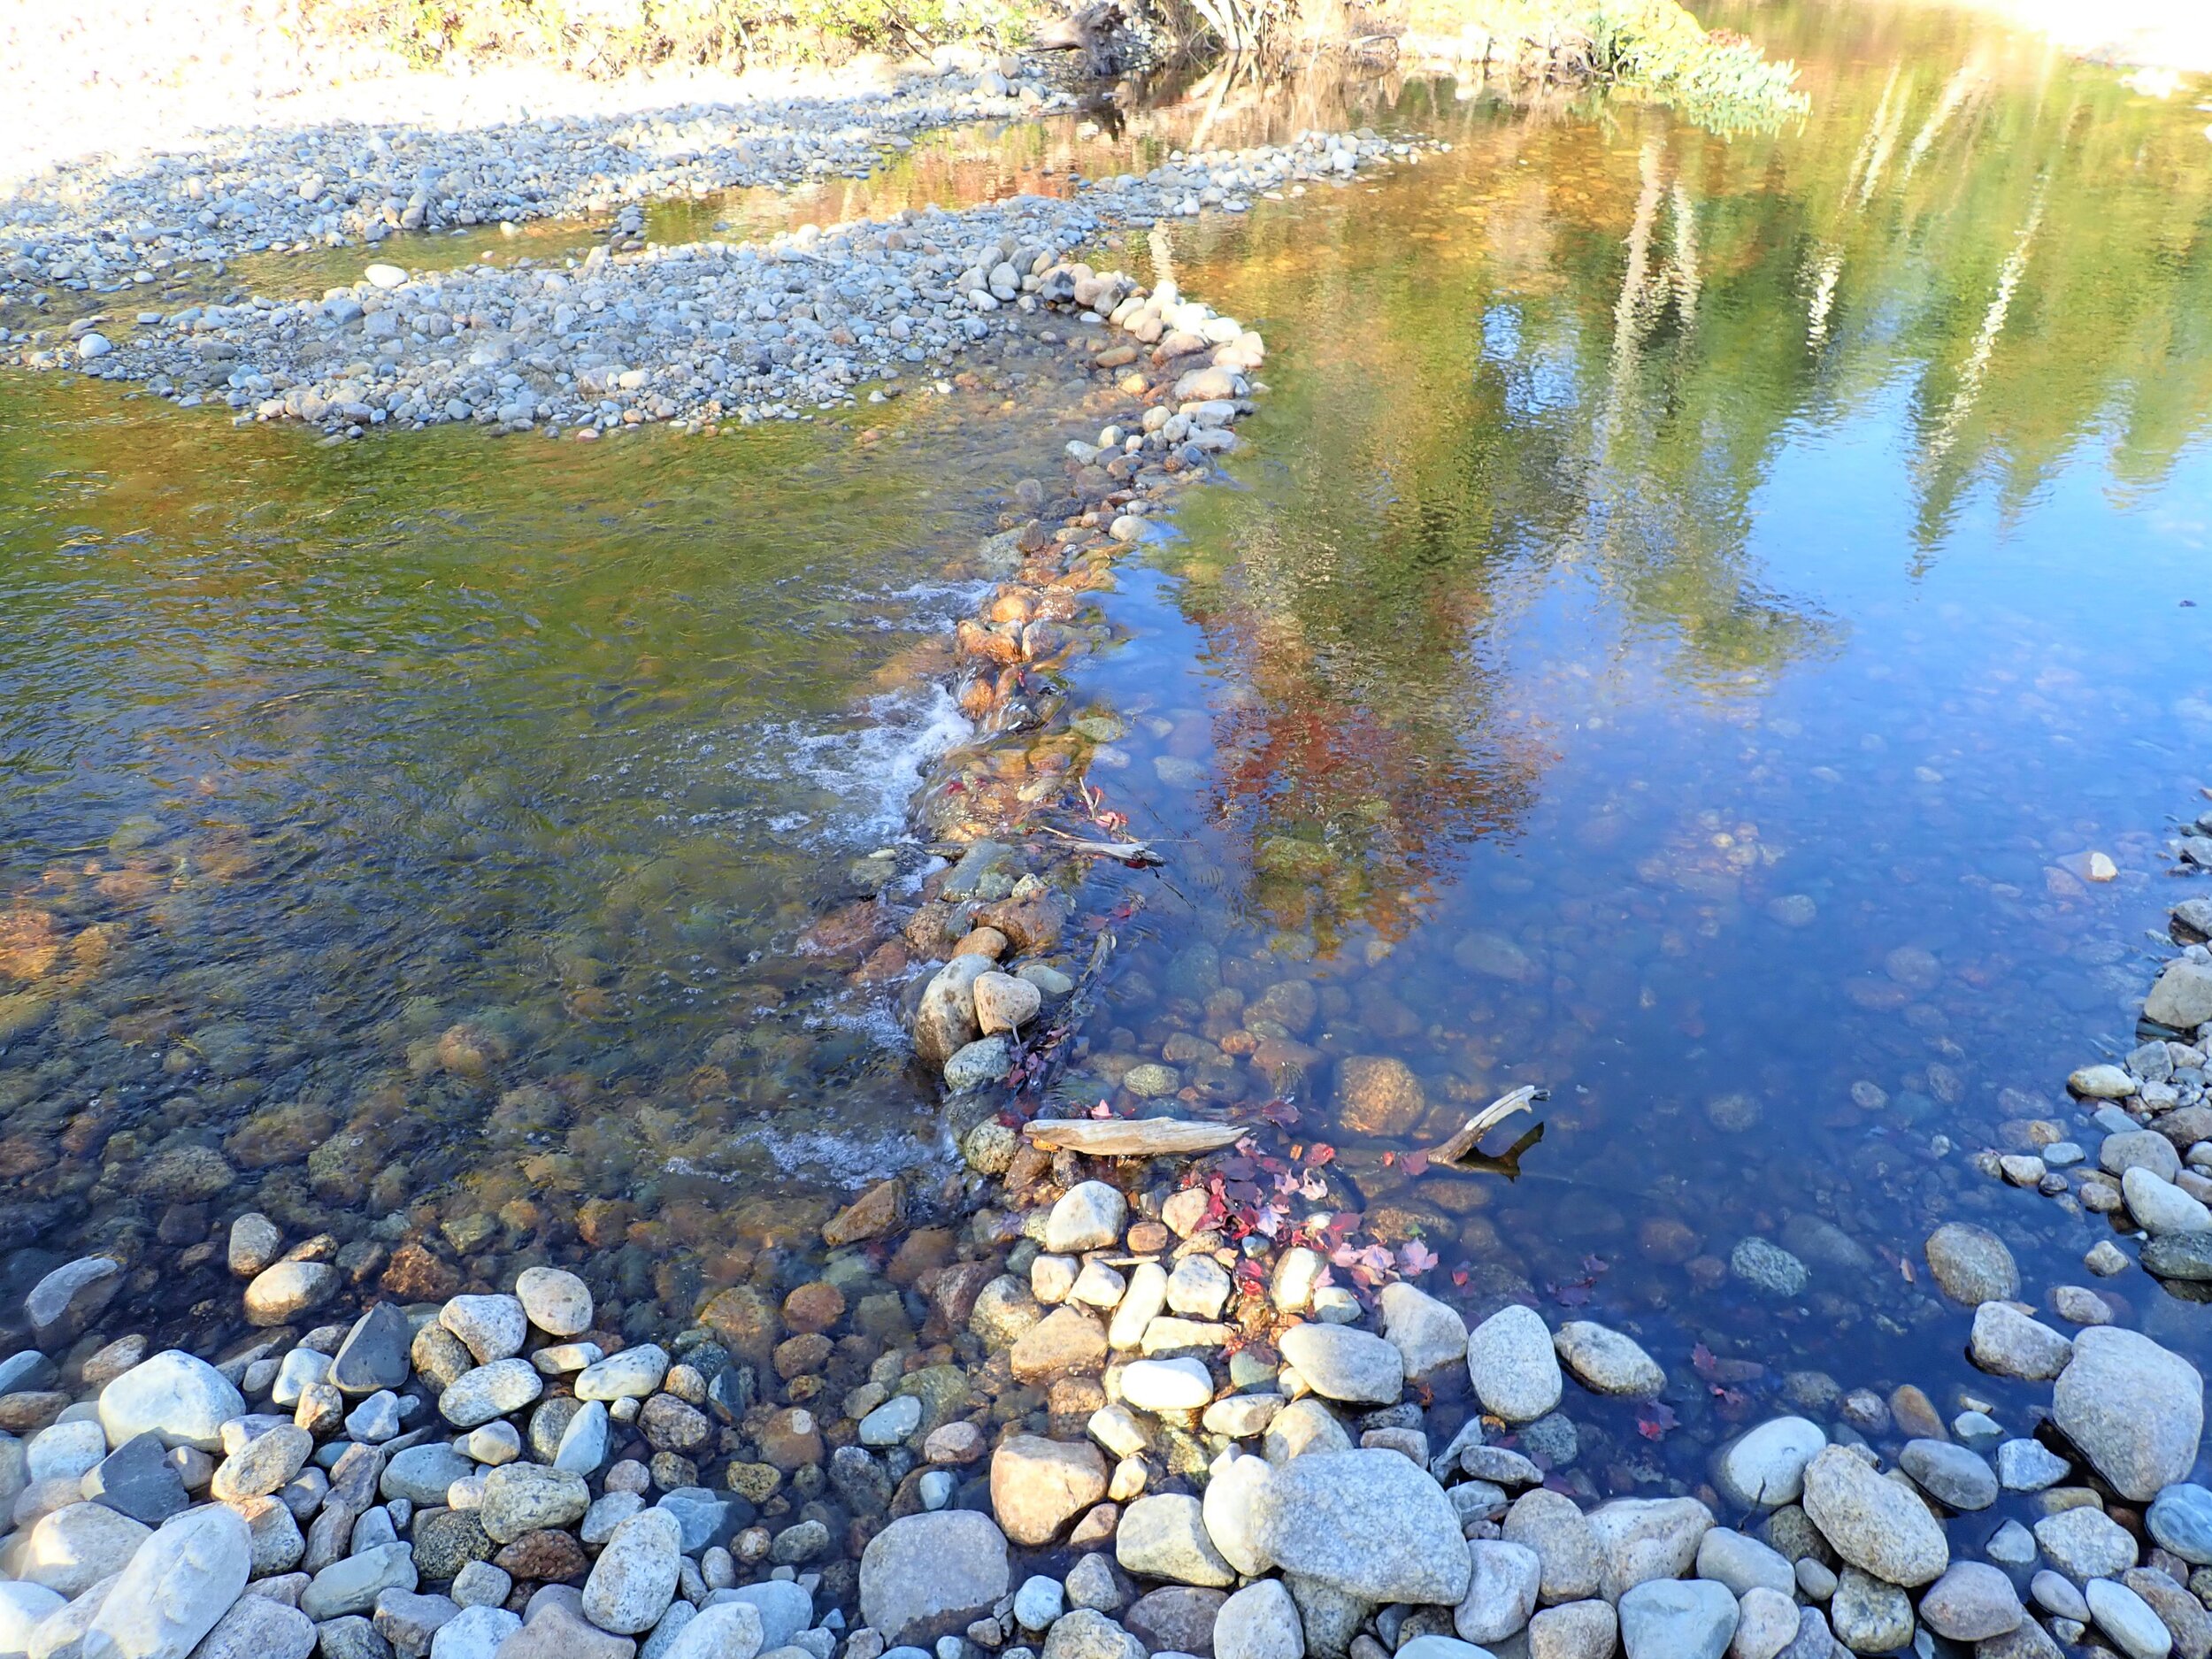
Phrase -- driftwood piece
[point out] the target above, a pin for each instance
(1482, 1123)
(1129, 1137)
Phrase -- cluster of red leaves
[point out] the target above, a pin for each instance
(1654, 1418)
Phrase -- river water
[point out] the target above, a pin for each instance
(1692, 603)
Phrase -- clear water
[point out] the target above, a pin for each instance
(1689, 606)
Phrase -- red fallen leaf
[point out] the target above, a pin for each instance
(1594, 1264)
(1281, 1113)
(1459, 1276)
(1389, 1158)
(1244, 1191)
(1416, 1163)
(1654, 1420)
(1321, 1152)
(1101, 1110)
(956, 787)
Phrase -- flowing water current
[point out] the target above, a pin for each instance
(1690, 613)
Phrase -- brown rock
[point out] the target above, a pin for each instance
(921, 1251)
(669, 1425)
(958, 1284)
(416, 1275)
(803, 1355)
(1663, 1239)
(812, 1308)
(872, 1215)
(1177, 1619)
(1377, 1095)
(790, 1440)
(1096, 1528)
(954, 1443)
(1148, 1238)
(1916, 1415)
(550, 1556)
(746, 1321)
(1065, 1339)
(1038, 1485)
(1032, 922)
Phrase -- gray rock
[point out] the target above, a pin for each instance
(138, 1478)
(67, 1299)
(2181, 1520)
(2008, 1343)
(1765, 1467)
(374, 1355)
(1554, 1525)
(2177, 1609)
(1086, 1634)
(184, 1400)
(351, 1586)
(1163, 1535)
(71, 1548)
(2128, 1619)
(926, 1576)
(2135, 1410)
(1512, 1365)
(2085, 1543)
(1765, 1265)
(2056, 1593)
(1089, 1216)
(2181, 998)
(1950, 1474)
(2028, 1466)
(1766, 1622)
(1971, 1265)
(1873, 1524)
(1500, 1466)
(420, 1474)
(181, 1580)
(352, 1637)
(1369, 1523)
(1429, 1336)
(1869, 1617)
(2161, 1207)
(583, 1443)
(521, 1498)
(1663, 1618)
(1341, 1362)
(409, 1621)
(258, 1627)
(1813, 1639)
(477, 1396)
(1971, 1601)
(262, 1463)
(634, 1578)
(633, 1374)
(1039, 1602)
(1227, 1507)
(1607, 1362)
(1727, 1556)
(785, 1610)
(728, 1630)
(2139, 1149)
(556, 1630)
(704, 1516)
(1259, 1621)
(2186, 1257)
(476, 1633)
(1434, 1647)
(1574, 1630)
(1642, 1538)
(1501, 1588)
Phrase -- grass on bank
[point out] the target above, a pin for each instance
(1653, 45)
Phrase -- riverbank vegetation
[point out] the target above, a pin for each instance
(1654, 45)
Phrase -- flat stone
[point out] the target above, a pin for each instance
(351, 1586)
(1038, 1485)
(2008, 1343)
(1175, 1385)
(2128, 1619)
(1163, 1535)
(1607, 1362)
(634, 1578)
(1501, 1588)
(1259, 1621)
(490, 1391)
(375, 1354)
(1642, 1538)
(421, 1474)
(926, 1576)
(1765, 1467)
(64, 1300)
(1369, 1525)
(1743, 1563)
(2085, 1543)
(138, 1478)
(1950, 1474)
(1971, 1601)
(1065, 1342)
(1340, 1363)
(1971, 1265)
(1430, 1336)
(1089, 1216)
(521, 1498)
(1576, 1630)
(1554, 1526)
(1874, 1524)
(2028, 1466)
(2134, 1409)
(177, 1584)
(1870, 1615)
(557, 1303)
(71, 1548)
(1664, 1618)
(2181, 1521)
(1512, 1365)
(184, 1400)
(635, 1374)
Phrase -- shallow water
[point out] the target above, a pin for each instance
(1689, 605)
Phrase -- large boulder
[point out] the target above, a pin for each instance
(180, 1583)
(184, 1400)
(2136, 1411)
(1370, 1523)
(928, 1576)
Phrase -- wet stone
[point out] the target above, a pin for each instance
(1954, 1476)
(2085, 1543)
(1971, 1265)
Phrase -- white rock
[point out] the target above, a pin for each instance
(1088, 1216)
(1167, 1385)
(180, 1581)
(557, 1303)
(492, 1328)
(184, 1400)
(1765, 1468)
(1512, 1365)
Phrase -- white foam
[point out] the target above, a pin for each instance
(874, 762)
